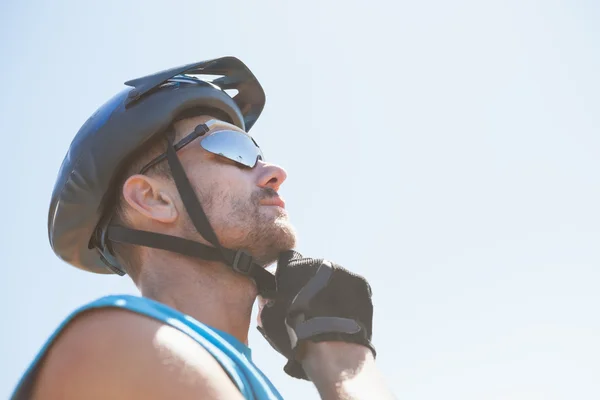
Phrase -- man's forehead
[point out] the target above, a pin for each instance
(213, 123)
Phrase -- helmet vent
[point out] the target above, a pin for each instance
(231, 92)
(205, 77)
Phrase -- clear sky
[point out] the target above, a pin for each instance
(447, 150)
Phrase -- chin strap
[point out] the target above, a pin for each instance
(238, 260)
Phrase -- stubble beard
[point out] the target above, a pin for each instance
(262, 231)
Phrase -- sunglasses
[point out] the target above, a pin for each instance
(234, 145)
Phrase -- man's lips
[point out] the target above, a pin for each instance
(273, 201)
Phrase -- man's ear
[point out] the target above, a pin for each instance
(150, 198)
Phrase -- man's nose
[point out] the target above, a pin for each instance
(271, 175)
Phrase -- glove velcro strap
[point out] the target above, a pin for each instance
(319, 325)
(317, 283)
(305, 330)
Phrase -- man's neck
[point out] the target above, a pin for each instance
(210, 292)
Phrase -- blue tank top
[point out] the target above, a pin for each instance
(233, 355)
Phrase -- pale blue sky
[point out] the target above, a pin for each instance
(448, 151)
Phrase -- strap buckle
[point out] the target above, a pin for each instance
(242, 262)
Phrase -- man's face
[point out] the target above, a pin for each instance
(241, 203)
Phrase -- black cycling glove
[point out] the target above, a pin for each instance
(316, 301)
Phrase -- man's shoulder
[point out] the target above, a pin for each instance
(116, 353)
(105, 327)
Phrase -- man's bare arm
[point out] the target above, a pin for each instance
(344, 371)
(116, 354)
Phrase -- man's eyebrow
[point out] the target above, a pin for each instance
(215, 123)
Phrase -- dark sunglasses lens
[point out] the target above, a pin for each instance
(233, 145)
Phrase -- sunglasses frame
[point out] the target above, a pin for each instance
(199, 131)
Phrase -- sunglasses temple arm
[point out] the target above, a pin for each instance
(153, 163)
(199, 131)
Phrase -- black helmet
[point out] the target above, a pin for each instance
(79, 223)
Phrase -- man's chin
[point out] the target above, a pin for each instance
(274, 240)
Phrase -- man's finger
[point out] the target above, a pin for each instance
(262, 302)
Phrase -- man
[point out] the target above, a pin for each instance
(164, 183)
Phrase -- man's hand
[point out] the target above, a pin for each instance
(316, 301)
